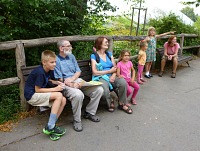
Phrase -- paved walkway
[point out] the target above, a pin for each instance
(167, 118)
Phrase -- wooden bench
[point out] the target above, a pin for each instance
(181, 58)
(86, 74)
(84, 65)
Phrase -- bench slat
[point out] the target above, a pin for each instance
(86, 73)
(181, 58)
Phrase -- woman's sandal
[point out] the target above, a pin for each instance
(128, 110)
(112, 107)
(173, 75)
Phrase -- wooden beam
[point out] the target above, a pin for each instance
(52, 40)
(111, 45)
(181, 43)
(191, 47)
(20, 61)
(9, 81)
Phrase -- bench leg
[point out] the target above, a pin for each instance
(188, 63)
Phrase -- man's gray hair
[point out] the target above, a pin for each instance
(61, 43)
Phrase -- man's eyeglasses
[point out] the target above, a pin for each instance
(67, 46)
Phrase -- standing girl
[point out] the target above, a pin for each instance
(141, 61)
(125, 70)
(151, 51)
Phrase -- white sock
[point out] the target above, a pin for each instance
(147, 73)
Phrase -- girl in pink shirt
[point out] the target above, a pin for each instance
(125, 70)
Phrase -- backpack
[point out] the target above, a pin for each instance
(98, 58)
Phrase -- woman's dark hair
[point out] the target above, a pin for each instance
(98, 42)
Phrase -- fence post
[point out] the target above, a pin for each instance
(111, 43)
(20, 61)
(198, 52)
(181, 43)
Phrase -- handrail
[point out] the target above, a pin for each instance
(19, 45)
(8, 45)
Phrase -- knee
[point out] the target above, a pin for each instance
(129, 91)
(100, 90)
(64, 101)
(79, 97)
(137, 88)
(58, 95)
(106, 92)
(104, 89)
(175, 60)
(122, 82)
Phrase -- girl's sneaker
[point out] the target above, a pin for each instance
(143, 80)
(150, 75)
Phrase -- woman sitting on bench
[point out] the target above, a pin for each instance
(170, 53)
(107, 75)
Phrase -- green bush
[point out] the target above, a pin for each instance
(9, 103)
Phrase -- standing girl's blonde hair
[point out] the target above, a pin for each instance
(150, 29)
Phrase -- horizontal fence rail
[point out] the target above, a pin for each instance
(19, 45)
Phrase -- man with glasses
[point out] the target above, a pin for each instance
(68, 71)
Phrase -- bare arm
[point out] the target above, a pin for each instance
(165, 51)
(76, 76)
(176, 52)
(133, 73)
(164, 34)
(56, 82)
(147, 39)
(139, 56)
(113, 61)
(118, 72)
(45, 90)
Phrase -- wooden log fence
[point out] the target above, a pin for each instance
(19, 45)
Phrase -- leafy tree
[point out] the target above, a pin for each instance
(189, 12)
(30, 19)
(194, 2)
(171, 23)
(197, 25)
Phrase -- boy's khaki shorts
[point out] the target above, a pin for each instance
(41, 99)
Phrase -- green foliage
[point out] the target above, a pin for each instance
(84, 47)
(28, 19)
(189, 12)
(9, 103)
(193, 2)
(124, 45)
(197, 25)
(119, 25)
(172, 23)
